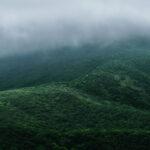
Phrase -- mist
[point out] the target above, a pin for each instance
(30, 25)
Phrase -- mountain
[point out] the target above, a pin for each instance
(90, 97)
(63, 108)
(39, 113)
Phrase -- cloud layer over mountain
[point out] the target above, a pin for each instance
(42, 24)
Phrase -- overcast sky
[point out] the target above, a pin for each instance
(27, 25)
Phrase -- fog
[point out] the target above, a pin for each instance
(28, 25)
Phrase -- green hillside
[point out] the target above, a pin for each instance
(118, 81)
(61, 108)
(69, 63)
(90, 97)
(58, 108)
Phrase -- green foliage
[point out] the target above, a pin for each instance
(17, 138)
(90, 97)
(61, 108)
(59, 117)
(118, 81)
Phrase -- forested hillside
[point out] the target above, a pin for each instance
(89, 97)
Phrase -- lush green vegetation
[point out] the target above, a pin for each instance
(62, 108)
(90, 97)
(16, 138)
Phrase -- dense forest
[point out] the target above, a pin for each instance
(89, 97)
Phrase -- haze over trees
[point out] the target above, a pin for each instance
(74, 75)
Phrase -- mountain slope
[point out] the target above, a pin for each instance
(88, 97)
(61, 108)
(119, 81)
(60, 117)
(69, 63)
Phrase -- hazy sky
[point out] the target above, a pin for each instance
(27, 25)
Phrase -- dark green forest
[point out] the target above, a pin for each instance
(90, 97)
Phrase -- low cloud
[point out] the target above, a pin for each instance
(29, 25)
